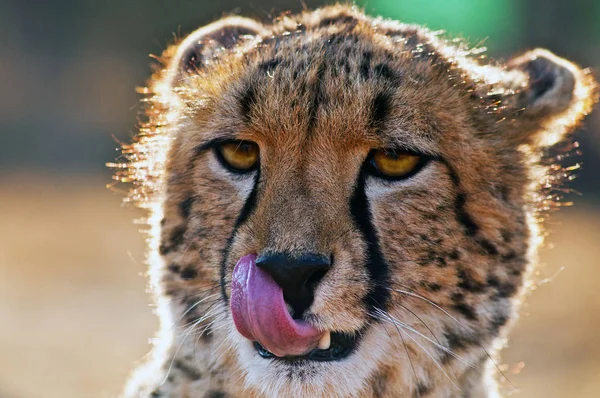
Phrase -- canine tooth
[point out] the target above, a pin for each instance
(325, 341)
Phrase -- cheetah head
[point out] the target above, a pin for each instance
(342, 205)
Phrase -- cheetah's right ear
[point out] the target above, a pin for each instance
(196, 50)
(554, 98)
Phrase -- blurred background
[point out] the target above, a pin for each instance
(74, 317)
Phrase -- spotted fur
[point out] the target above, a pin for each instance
(429, 271)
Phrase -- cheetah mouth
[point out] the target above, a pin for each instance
(339, 346)
(261, 315)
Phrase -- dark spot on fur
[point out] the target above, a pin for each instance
(189, 371)
(163, 250)
(365, 65)
(215, 394)
(422, 389)
(269, 66)
(457, 341)
(457, 297)
(466, 310)
(511, 255)
(174, 268)
(189, 273)
(341, 19)
(454, 254)
(163, 222)
(467, 282)
(505, 290)
(206, 335)
(431, 286)
(185, 207)
(176, 236)
(387, 73)
(379, 109)
(493, 281)
(506, 236)
(441, 262)
(156, 394)
(488, 247)
(497, 322)
(379, 384)
(247, 101)
(471, 228)
(318, 97)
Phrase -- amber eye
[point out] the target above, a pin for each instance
(395, 165)
(238, 156)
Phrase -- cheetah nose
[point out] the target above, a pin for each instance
(297, 276)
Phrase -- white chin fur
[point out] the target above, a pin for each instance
(344, 378)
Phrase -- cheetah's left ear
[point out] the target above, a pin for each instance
(555, 97)
(200, 46)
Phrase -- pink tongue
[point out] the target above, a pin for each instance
(260, 314)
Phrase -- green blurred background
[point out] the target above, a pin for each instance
(73, 313)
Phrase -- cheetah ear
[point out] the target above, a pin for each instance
(197, 49)
(554, 96)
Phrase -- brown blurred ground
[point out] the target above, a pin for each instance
(74, 317)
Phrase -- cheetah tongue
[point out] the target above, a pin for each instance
(260, 314)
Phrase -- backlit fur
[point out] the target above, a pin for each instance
(454, 244)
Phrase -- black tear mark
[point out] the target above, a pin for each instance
(246, 211)
(247, 101)
(380, 109)
(188, 371)
(377, 267)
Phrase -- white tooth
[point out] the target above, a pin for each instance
(325, 341)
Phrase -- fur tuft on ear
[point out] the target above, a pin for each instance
(196, 50)
(556, 96)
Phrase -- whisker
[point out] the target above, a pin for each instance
(459, 324)
(386, 316)
(440, 346)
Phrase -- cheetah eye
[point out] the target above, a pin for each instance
(238, 156)
(393, 164)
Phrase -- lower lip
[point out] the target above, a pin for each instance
(341, 347)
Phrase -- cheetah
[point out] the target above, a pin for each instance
(341, 206)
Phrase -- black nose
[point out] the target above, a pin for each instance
(297, 276)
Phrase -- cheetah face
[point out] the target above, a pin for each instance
(347, 203)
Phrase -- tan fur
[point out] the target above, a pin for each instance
(459, 237)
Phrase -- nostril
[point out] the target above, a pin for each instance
(315, 278)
